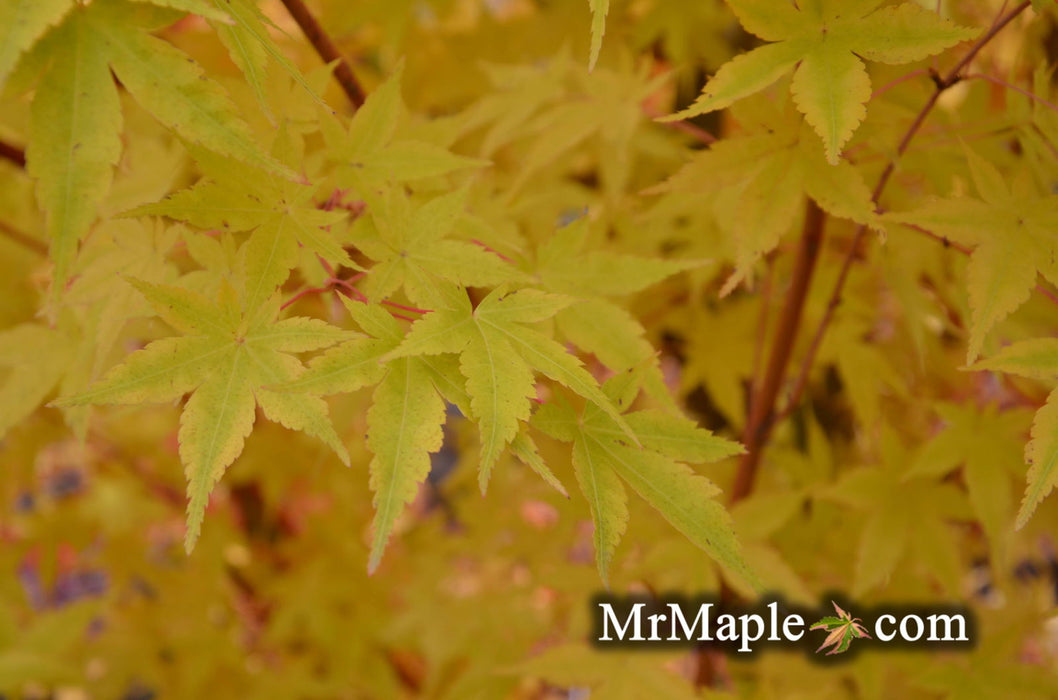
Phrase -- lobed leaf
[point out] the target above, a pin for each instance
(74, 143)
(213, 427)
(607, 501)
(404, 426)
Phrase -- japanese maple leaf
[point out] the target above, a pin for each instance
(568, 264)
(987, 443)
(1035, 359)
(1012, 231)
(841, 630)
(759, 180)
(235, 197)
(407, 414)
(599, 10)
(369, 153)
(33, 360)
(76, 115)
(826, 40)
(252, 49)
(906, 513)
(604, 460)
(414, 245)
(225, 360)
(404, 423)
(499, 353)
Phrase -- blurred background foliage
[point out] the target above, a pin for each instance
(863, 489)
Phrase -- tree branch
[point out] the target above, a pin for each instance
(762, 405)
(326, 49)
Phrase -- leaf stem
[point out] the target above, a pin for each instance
(327, 51)
(762, 405)
(692, 130)
(304, 293)
(410, 309)
(13, 153)
(902, 79)
(492, 250)
(348, 286)
(1002, 83)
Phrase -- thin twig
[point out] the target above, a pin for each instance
(943, 240)
(492, 250)
(1002, 83)
(760, 419)
(13, 153)
(942, 84)
(1047, 293)
(327, 51)
(692, 130)
(304, 293)
(902, 79)
(953, 74)
(403, 307)
(26, 241)
(696, 132)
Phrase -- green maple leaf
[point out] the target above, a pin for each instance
(498, 354)
(404, 426)
(825, 40)
(987, 443)
(904, 512)
(599, 10)
(567, 264)
(34, 359)
(688, 34)
(116, 250)
(226, 359)
(370, 154)
(1011, 228)
(841, 631)
(281, 213)
(404, 423)
(517, 94)
(22, 23)
(251, 48)
(407, 414)
(37, 359)
(414, 249)
(603, 461)
(760, 178)
(601, 110)
(1036, 359)
(76, 115)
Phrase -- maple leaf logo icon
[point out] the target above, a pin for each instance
(841, 630)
